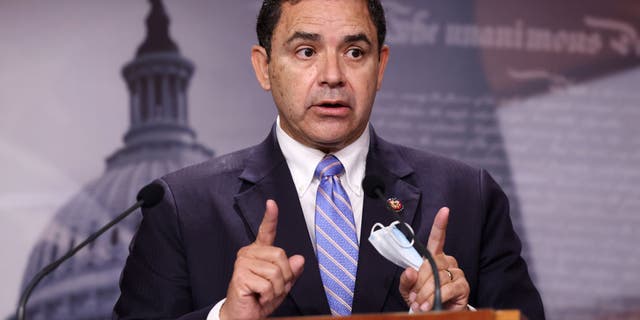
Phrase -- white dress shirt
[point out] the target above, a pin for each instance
(302, 161)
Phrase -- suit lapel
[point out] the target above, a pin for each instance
(268, 177)
(376, 275)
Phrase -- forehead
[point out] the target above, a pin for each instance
(326, 18)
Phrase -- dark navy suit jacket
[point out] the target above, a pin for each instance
(182, 256)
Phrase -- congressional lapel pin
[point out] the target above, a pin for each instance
(394, 204)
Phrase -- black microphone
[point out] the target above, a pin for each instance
(148, 197)
(374, 187)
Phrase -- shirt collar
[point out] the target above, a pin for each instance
(302, 160)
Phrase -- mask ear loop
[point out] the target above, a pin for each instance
(377, 225)
(413, 235)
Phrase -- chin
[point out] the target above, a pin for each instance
(329, 135)
(330, 143)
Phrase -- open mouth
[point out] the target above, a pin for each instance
(336, 104)
(332, 109)
(332, 105)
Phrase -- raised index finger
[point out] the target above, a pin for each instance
(435, 245)
(267, 230)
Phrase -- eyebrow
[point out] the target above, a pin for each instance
(357, 37)
(316, 37)
(304, 36)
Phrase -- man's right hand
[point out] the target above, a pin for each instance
(262, 275)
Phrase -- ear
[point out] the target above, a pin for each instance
(260, 63)
(382, 64)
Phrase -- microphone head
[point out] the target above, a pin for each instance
(372, 183)
(150, 195)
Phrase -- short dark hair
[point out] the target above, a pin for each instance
(270, 15)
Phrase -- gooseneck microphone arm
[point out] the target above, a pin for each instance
(148, 197)
(374, 187)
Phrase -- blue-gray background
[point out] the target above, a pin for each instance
(544, 94)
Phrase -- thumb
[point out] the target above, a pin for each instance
(407, 281)
(296, 263)
(267, 230)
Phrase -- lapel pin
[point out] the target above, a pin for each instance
(394, 204)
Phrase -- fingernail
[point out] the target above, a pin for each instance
(415, 307)
(412, 297)
(424, 307)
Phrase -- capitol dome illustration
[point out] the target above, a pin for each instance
(158, 141)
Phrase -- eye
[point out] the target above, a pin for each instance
(355, 53)
(305, 53)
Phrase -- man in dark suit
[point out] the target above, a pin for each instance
(242, 236)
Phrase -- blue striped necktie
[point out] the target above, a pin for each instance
(336, 242)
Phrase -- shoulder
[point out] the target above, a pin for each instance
(424, 162)
(453, 179)
(222, 168)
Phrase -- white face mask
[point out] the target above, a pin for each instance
(393, 245)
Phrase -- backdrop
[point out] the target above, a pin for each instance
(543, 94)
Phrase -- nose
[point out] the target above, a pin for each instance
(332, 71)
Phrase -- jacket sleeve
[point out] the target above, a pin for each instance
(503, 280)
(155, 281)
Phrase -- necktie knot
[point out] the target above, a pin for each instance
(329, 166)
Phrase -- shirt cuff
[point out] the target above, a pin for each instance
(214, 314)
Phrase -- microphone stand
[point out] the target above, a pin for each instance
(21, 312)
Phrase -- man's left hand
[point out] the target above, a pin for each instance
(417, 287)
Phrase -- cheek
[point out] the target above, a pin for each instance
(365, 87)
(296, 86)
(279, 82)
(288, 91)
